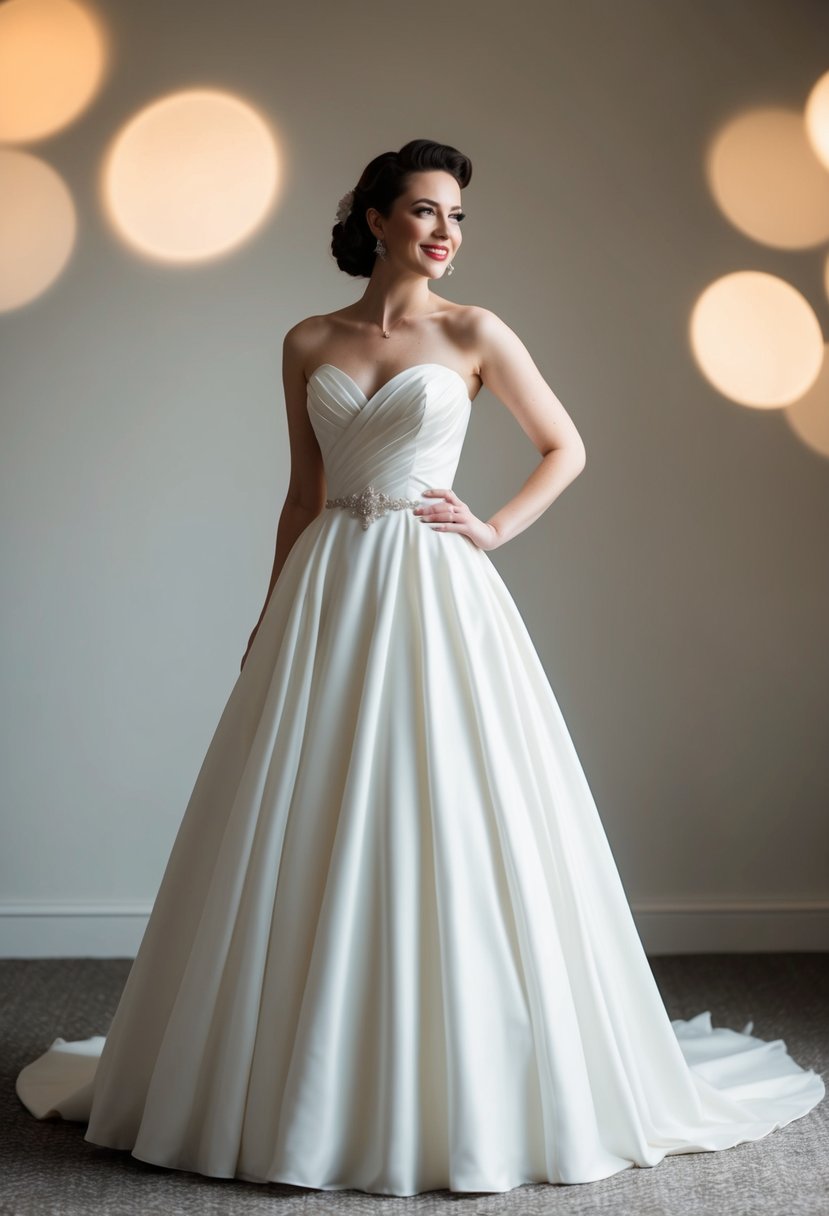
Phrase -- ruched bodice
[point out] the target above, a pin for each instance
(404, 439)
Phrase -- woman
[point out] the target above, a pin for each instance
(391, 950)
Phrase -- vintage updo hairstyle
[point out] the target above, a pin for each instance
(382, 181)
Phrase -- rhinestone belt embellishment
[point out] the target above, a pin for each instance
(370, 504)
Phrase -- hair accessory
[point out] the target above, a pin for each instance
(344, 207)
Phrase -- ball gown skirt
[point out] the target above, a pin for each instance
(391, 950)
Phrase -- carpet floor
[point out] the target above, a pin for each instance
(48, 1169)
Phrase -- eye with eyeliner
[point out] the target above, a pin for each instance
(458, 215)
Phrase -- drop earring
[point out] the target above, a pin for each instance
(450, 269)
(380, 248)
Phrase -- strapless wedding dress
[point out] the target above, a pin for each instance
(391, 950)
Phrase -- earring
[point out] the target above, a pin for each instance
(380, 248)
(450, 269)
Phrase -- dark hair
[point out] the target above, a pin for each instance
(382, 181)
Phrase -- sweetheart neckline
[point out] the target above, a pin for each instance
(391, 380)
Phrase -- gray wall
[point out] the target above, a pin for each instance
(678, 592)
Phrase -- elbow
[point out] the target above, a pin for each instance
(578, 452)
(575, 455)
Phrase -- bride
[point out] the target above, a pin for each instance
(391, 950)
(403, 235)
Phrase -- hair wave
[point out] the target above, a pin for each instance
(382, 181)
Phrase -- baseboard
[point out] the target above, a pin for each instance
(52, 929)
(731, 926)
(31, 929)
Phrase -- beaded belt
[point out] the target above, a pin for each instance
(370, 504)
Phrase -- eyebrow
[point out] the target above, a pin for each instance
(456, 206)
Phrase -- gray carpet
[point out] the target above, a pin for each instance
(48, 1169)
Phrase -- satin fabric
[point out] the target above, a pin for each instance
(391, 950)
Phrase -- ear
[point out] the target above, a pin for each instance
(371, 213)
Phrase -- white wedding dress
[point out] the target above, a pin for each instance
(391, 950)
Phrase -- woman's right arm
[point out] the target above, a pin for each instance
(306, 489)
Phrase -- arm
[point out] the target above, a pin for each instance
(305, 497)
(506, 368)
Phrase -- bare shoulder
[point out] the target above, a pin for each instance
(302, 336)
(297, 350)
(480, 332)
(498, 345)
(486, 326)
(460, 324)
(304, 342)
(509, 371)
(460, 320)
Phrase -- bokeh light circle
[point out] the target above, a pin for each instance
(767, 180)
(37, 227)
(52, 57)
(190, 176)
(816, 118)
(809, 417)
(756, 339)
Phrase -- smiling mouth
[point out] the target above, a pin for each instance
(436, 251)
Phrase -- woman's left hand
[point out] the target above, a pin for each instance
(453, 515)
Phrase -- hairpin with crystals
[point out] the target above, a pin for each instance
(344, 207)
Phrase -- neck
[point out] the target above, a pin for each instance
(391, 295)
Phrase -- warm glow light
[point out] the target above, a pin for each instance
(191, 176)
(37, 227)
(816, 116)
(756, 339)
(768, 181)
(809, 417)
(51, 65)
